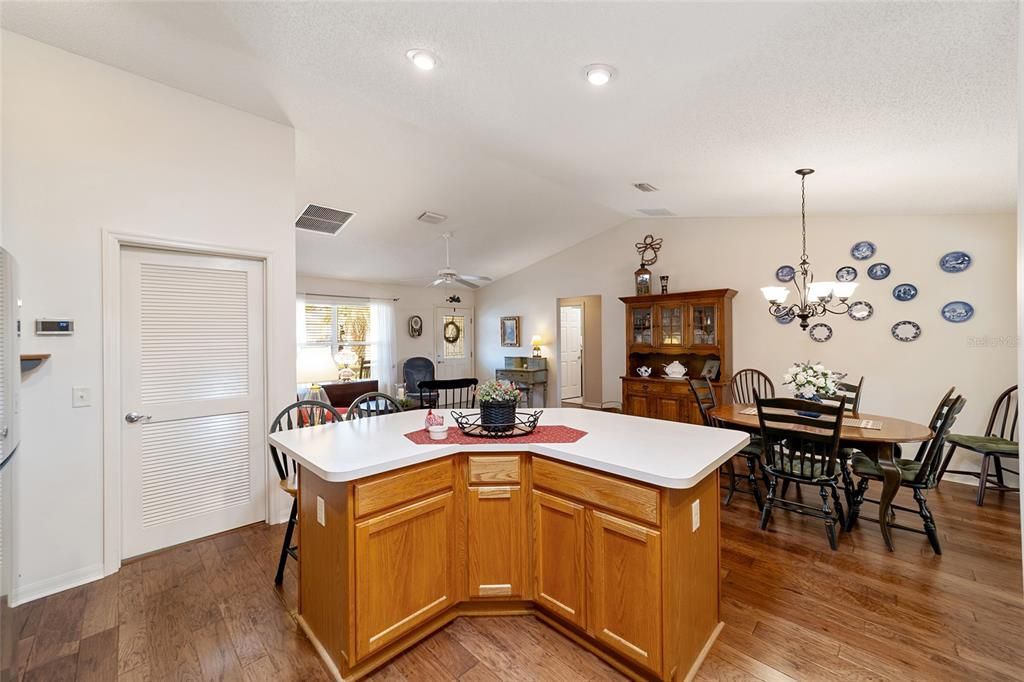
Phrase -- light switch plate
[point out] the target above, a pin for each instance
(695, 515)
(320, 514)
(81, 396)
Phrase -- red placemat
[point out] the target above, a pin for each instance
(542, 434)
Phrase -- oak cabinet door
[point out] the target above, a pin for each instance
(558, 555)
(670, 408)
(636, 405)
(405, 570)
(496, 542)
(625, 588)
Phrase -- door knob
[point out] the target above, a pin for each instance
(3, 433)
(133, 417)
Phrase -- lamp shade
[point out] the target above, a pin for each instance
(535, 341)
(844, 290)
(775, 294)
(315, 364)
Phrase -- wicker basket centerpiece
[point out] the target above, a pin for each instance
(498, 400)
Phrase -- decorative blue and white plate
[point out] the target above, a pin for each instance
(860, 311)
(785, 273)
(862, 250)
(846, 274)
(955, 261)
(906, 331)
(879, 271)
(904, 292)
(820, 332)
(786, 319)
(957, 311)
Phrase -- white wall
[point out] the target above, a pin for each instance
(903, 379)
(420, 301)
(89, 148)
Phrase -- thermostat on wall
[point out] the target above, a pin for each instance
(52, 327)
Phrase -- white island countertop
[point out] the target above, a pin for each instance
(662, 453)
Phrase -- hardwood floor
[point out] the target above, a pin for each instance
(793, 609)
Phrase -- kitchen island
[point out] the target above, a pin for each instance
(613, 539)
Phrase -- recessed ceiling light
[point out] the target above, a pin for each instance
(422, 59)
(599, 74)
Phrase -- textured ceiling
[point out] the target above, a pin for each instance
(901, 107)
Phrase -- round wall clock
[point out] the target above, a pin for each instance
(415, 326)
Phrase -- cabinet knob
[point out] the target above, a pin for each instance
(645, 387)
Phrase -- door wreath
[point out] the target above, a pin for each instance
(452, 332)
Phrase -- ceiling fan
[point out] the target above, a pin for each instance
(448, 274)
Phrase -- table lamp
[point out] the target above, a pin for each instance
(536, 345)
(313, 365)
(346, 357)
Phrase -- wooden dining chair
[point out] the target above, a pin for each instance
(448, 393)
(803, 450)
(849, 393)
(999, 442)
(919, 474)
(746, 381)
(298, 415)
(371, 405)
(704, 397)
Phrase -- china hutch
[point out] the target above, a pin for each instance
(693, 328)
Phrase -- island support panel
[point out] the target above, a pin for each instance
(614, 564)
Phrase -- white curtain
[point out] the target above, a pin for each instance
(382, 344)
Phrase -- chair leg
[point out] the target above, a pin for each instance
(983, 479)
(287, 542)
(999, 471)
(766, 513)
(929, 521)
(848, 491)
(755, 487)
(840, 512)
(945, 464)
(858, 500)
(830, 522)
(730, 469)
(785, 489)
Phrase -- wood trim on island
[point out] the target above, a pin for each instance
(613, 563)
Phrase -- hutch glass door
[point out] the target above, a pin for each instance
(642, 331)
(670, 330)
(704, 324)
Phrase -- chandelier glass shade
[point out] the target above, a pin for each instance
(814, 299)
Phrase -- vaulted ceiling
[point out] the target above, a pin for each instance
(901, 107)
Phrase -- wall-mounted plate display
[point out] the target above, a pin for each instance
(785, 273)
(860, 310)
(862, 250)
(906, 331)
(846, 274)
(786, 319)
(879, 271)
(904, 292)
(955, 261)
(957, 311)
(820, 332)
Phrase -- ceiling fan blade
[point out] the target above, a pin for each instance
(477, 278)
(439, 280)
(467, 283)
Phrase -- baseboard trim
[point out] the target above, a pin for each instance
(332, 669)
(704, 653)
(22, 594)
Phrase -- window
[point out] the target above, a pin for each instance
(341, 326)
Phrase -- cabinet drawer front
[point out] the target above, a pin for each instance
(514, 376)
(630, 499)
(395, 488)
(503, 469)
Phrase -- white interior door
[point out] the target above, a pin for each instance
(192, 396)
(571, 352)
(453, 358)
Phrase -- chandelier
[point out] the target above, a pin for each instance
(815, 298)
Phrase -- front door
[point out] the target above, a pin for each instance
(571, 351)
(453, 343)
(192, 397)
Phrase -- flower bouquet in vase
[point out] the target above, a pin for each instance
(811, 382)
(498, 400)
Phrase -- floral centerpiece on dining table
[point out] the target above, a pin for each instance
(812, 381)
(498, 400)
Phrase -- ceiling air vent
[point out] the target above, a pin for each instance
(432, 218)
(645, 187)
(323, 220)
(656, 212)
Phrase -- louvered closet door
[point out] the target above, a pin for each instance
(192, 370)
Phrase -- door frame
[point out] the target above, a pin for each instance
(113, 243)
(593, 365)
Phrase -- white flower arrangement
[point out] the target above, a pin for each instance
(809, 381)
(497, 392)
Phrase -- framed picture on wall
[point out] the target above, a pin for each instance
(710, 371)
(510, 331)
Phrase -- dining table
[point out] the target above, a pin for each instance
(877, 440)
